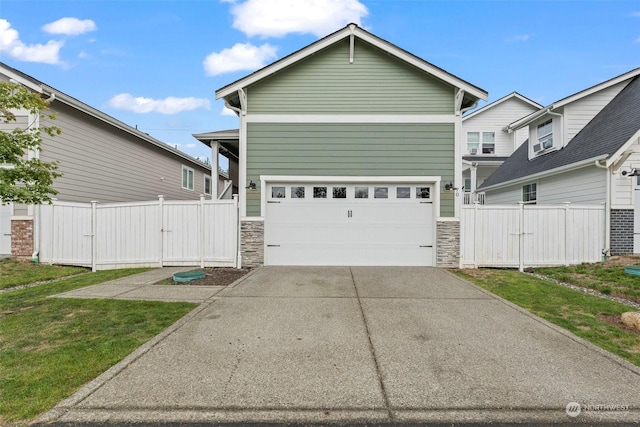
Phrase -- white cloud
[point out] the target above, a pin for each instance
(637, 40)
(70, 26)
(241, 57)
(11, 45)
(519, 38)
(277, 18)
(227, 112)
(170, 105)
(635, 14)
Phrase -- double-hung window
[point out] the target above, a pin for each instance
(187, 178)
(481, 142)
(530, 193)
(545, 134)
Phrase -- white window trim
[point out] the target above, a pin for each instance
(530, 202)
(193, 175)
(204, 183)
(481, 143)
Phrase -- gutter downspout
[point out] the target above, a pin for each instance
(607, 209)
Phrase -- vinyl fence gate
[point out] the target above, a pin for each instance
(158, 233)
(531, 235)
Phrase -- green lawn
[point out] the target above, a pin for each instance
(14, 273)
(50, 347)
(611, 280)
(577, 312)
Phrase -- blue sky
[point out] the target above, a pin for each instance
(156, 64)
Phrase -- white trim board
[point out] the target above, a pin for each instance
(350, 118)
(349, 31)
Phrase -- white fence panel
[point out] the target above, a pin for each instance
(128, 235)
(141, 234)
(220, 240)
(69, 231)
(531, 235)
(182, 228)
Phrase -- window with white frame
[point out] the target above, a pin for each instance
(187, 178)
(544, 134)
(481, 142)
(530, 193)
(207, 184)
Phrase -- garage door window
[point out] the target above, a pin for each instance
(362, 192)
(339, 192)
(423, 192)
(278, 192)
(297, 192)
(319, 192)
(403, 193)
(381, 192)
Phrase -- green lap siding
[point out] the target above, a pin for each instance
(350, 150)
(326, 83)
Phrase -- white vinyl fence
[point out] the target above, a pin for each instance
(140, 234)
(531, 235)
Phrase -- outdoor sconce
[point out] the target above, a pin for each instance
(252, 185)
(633, 172)
(449, 187)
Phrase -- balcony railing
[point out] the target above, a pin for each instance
(471, 198)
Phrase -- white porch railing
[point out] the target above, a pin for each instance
(471, 198)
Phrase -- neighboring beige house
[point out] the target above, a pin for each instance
(487, 143)
(100, 159)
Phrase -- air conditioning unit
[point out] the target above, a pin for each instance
(543, 145)
(474, 151)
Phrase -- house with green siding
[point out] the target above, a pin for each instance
(349, 153)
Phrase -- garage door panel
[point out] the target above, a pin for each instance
(348, 231)
(360, 255)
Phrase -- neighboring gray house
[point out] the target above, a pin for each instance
(487, 143)
(582, 149)
(100, 159)
(348, 154)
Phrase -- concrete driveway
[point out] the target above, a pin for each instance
(360, 345)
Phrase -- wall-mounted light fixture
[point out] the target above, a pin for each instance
(252, 185)
(449, 187)
(633, 172)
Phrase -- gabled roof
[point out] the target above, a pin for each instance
(348, 31)
(512, 95)
(525, 121)
(602, 138)
(40, 87)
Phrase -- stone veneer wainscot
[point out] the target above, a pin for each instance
(252, 243)
(448, 243)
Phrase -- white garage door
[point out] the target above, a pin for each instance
(5, 229)
(349, 224)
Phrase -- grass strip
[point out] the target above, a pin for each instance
(16, 273)
(609, 280)
(50, 347)
(574, 311)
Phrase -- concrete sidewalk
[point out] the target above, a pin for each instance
(141, 287)
(359, 346)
